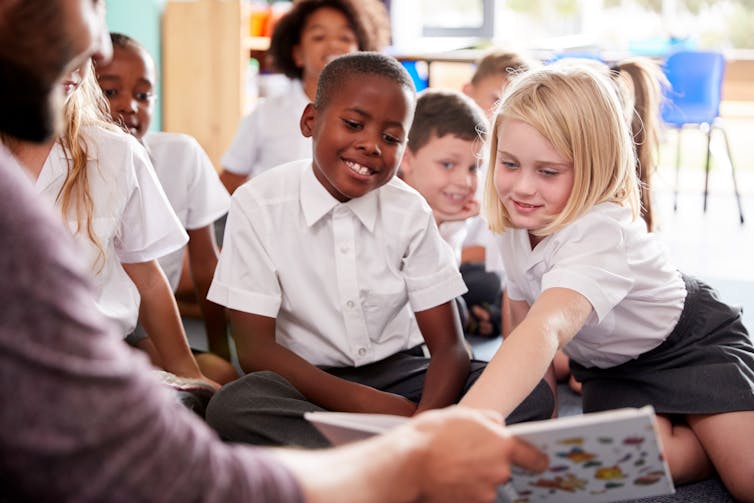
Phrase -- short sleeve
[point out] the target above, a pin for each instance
(430, 269)
(149, 228)
(208, 198)
(243, 152)
(593, 261)
(245, 263)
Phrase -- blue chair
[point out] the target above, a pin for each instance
(693, 99)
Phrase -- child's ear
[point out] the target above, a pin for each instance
(468, 89)
(307, 120)
(406, 160)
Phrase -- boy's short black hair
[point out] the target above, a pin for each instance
(359, 63)
(368, 19)
(442, 112)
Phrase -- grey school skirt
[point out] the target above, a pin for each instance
(705, 366)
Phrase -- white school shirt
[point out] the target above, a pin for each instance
(454, 233)
(270, 135)
(191, 185)
(479, 234)
(342, 279)
(132, 218)
(623, 271)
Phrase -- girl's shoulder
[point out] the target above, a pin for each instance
(111, 143)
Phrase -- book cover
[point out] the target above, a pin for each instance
(605, 456)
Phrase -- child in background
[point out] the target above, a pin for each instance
(335, 275)
(584, 275)
(640, 82)
(304, 40)
(102, 181)
(491, 75)
(441, 162)
(189, 181)
(480, 261)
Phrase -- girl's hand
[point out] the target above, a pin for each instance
(470, 209)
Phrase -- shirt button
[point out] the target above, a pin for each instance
(362, 351)
(349, 304)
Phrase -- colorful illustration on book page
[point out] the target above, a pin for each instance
(610, 462)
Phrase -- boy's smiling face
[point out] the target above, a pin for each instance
(444, 171)
(359, 134)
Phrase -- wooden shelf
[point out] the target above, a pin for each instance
(205, 53)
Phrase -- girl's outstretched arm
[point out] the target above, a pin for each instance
(158, 312)
(553, 320)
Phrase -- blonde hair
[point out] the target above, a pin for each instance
(86, 106)
(577, 109)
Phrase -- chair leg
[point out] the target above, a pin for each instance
(677, 169)
(732, 171)
(708, 130)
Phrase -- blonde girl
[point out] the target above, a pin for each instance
(104, 186)
(584, 275)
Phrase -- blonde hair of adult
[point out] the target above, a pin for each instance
(85, 107)
(578, 110)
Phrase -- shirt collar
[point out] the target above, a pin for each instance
(316, 202)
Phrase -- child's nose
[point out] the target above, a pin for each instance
(128, 105)
(369, 144)
(524, 183)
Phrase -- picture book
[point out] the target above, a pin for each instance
(604, 456)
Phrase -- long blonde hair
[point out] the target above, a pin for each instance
(578, 110)
(86, 106)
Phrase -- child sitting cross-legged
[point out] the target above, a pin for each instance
(338, 283)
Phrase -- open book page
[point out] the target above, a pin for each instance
(606, 456)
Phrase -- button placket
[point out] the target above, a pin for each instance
(357, 336)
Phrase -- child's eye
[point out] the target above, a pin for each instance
(351, 124)
(392, 139)
(447, 164)
(548, 172)
(509, 164)
(144, 97)
(473, 168)
(110, 93)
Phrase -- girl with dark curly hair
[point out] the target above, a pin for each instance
(305, 39)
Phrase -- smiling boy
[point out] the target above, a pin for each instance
(336, 276)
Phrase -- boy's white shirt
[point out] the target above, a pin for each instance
(191, 184)
(625, 273)
(342, 279)
(132, 218)
(270, 135)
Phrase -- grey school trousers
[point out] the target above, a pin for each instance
(263, 408)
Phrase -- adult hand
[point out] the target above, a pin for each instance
(465, 454)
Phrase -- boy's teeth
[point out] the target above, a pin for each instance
(358, 168)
